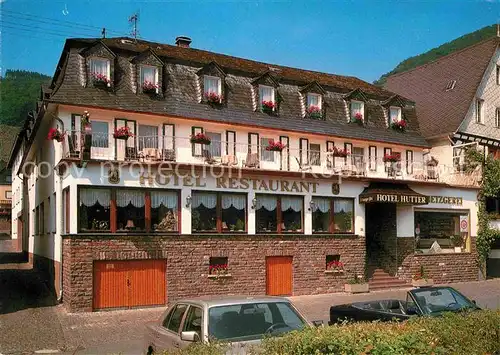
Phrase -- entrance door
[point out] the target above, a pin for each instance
(279, 275)
(129, 283)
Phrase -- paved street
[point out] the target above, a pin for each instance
(30, 321)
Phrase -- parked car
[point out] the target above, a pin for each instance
(428, 301)
(241, 321)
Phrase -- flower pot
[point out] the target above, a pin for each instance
(123, 138)
(334, 271)
(357, 288)
(422, 282)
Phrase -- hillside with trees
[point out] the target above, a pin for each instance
(444, 49)
(19, 91)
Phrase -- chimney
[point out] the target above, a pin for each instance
(183, 41)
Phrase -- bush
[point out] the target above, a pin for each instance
(454, 333)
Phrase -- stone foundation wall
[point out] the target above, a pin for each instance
(442, 268)
(187, 260)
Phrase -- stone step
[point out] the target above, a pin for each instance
(388, 287)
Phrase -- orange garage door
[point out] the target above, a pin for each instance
(279, 275)
(129, 283)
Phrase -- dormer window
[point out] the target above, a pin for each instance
(394, 114)
(149, 79)
(314, 100)
(100, 71)
(212, 86)
(357, 111)
(267, 97)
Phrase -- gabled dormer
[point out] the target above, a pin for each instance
(148, 69)
(266, 94)
(356, 106)
(394, 110)
(313, 100)
(212, 79)
(99, 64)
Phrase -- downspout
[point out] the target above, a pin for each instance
(60, 229)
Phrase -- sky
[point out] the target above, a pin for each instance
(358, 38)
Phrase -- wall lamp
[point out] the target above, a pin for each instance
(312, 205)
(254, 203)
(188, 201)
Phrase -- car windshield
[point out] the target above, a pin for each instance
(251, 321)
(433, 301)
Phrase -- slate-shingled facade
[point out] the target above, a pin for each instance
(157, 210)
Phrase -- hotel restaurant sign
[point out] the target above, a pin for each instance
(409, 199)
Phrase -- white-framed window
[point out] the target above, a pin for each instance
(266, 93)
(314, 100)
(100, 134)
(266, 155)
(101, 66)
(394, 114)
(212, 85)
(357, 107)
(148, 137)
(215, 147)
(479, 111)
(497, 117)
(8, 195)
(149, 77)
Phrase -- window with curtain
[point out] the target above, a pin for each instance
(266, 93)
(315, 154)
(130, 210)
(94, 209)
(99, 66)
(479, 111)
(313, 100)
(214, 148)
(287, 218)
(164, 211)
(203, 211)
(357, 107)
(321, 214)
(343, 215)
(266, 214)
(233, 212)
(100, 134)
(149, 74)
(266, 155)
(211, 84)
(395, 114)
(148, 137)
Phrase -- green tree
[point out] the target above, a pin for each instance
(19, 91)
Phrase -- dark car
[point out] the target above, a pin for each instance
(428, 301)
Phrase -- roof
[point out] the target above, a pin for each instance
(8, 135)
(181, 92)
(440, 111)
(213, 301)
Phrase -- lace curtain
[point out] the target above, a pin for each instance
(126, 197)
(343, 206)
(267, 202)
(211, 85)
(237, 201)
(165, 198)
(208, 200)
(321, 204)
(293, 203)
(99, 66)
(89, 197)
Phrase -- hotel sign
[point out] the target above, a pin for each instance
(446, 200)
(408, 199)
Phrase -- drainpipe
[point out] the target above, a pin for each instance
(60, 229)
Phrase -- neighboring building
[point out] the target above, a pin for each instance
(458, 104)
(127, 209)
(7, 136)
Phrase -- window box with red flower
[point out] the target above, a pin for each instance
(149, 88)
(200, 138)
(123, 133)
(314, 111)
(399, 125)
(101, 80)
(357, 118)
(338, 152)
(268, 107)
(55, 135)
(218, 271)
(213, 99)
(334, 267)
(392, 158)
(274, 146)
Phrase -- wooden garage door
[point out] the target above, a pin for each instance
(131, 283)
(279, 275)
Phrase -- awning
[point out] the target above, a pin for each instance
(392, 193)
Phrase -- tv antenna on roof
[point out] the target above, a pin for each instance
(133, 20)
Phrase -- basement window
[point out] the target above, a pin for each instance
(218, 266)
